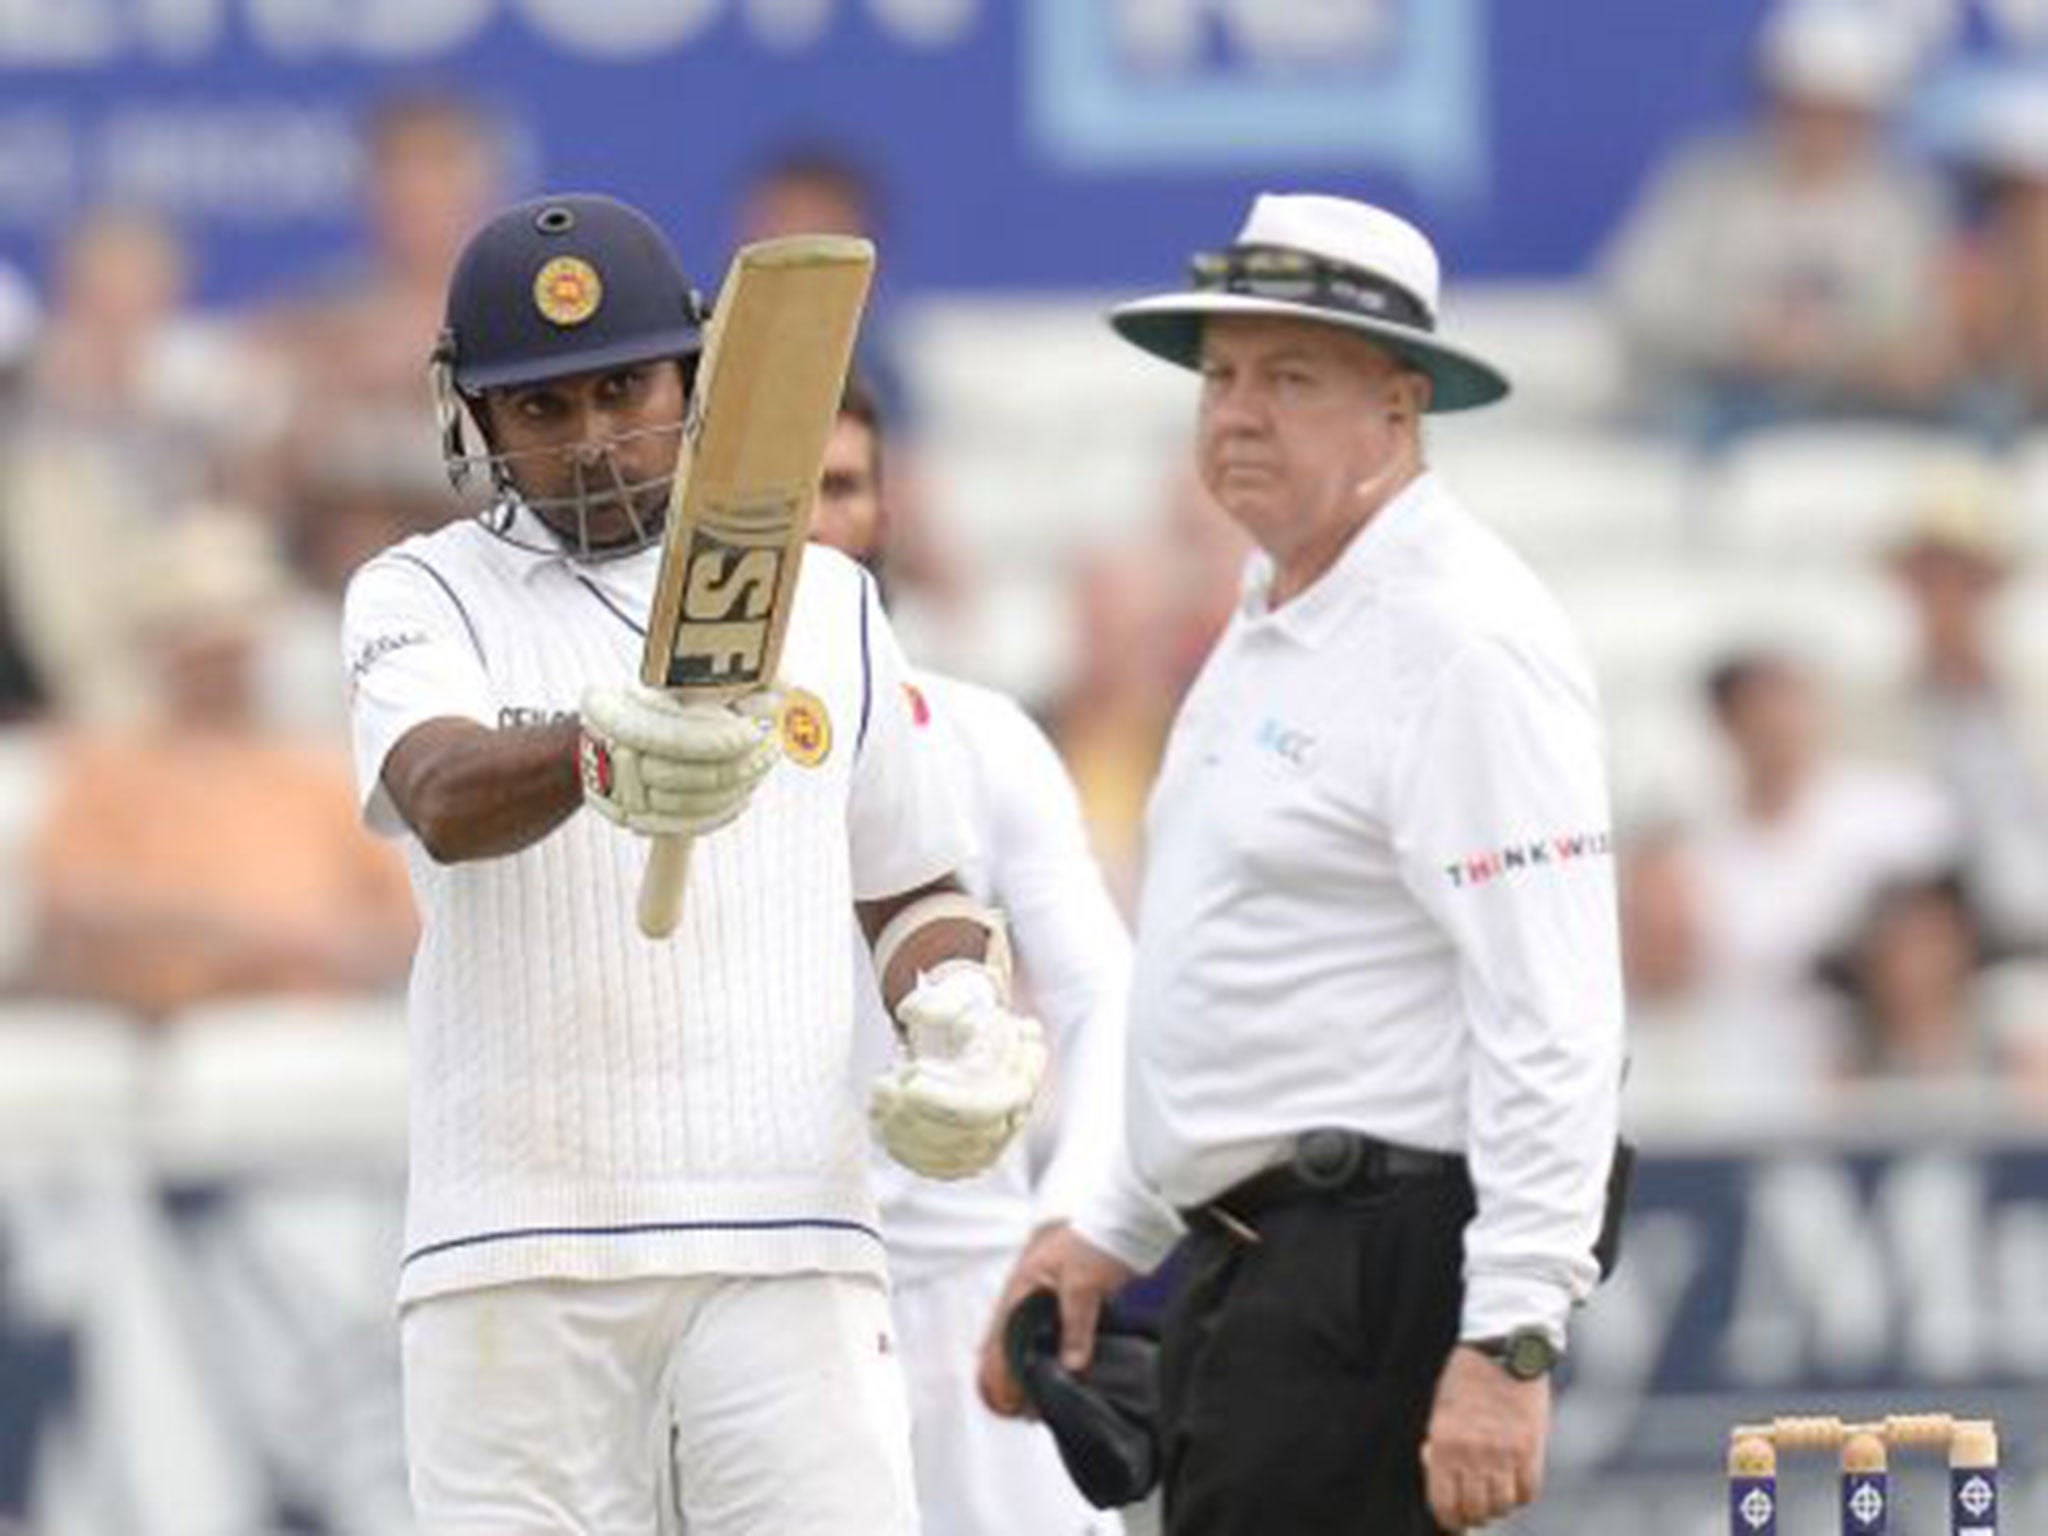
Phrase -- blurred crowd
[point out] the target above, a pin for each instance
(1857, 904)
(1867, 904)
(183, 494)
(1808, 264)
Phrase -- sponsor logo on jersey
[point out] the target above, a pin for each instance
(567, 290)
(1517, 858)
(377, 647)
(806, 728)
(517, 716)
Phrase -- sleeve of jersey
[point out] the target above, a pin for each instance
(905, 824)
(1073, 951)
(410, 657)
(1118, 1215)
(1500, 810)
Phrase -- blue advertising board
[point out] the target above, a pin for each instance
(1796, 1279)
(1022, 143)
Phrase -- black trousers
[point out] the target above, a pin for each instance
(1297, 1373)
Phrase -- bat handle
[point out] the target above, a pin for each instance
(661, 887)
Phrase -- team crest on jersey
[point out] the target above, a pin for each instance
(568, 290)
(806, 728)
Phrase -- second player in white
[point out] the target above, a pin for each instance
(950, 1245)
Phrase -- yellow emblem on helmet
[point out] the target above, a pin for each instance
(806, 728)
(568, 290)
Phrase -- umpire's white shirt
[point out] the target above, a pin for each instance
(587, 1104)
(1379, 894)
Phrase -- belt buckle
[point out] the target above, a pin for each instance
(1329, 1160)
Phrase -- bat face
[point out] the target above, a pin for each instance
(734, 567)
(766, 400)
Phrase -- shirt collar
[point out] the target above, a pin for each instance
(1310, 617)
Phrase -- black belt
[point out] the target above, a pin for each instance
(1326, 1165)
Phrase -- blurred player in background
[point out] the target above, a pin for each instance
(951, 1245)
(643, 1286)
(1375, 1030)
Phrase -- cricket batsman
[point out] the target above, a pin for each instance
(643, 1288)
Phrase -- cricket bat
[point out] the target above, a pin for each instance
(766, 399)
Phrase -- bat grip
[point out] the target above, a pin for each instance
(661, 887)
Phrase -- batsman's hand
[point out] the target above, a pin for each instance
(663, 768)
(968, 1077)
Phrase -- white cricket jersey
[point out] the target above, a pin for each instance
(1033, 862)
(1379, 895)
(587, 1103)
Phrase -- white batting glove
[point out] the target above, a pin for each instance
(663, 768)
(967, 1081)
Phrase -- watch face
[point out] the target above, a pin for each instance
(1530, 1355)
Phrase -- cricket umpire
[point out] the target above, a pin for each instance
(1376, 1028)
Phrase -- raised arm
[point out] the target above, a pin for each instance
(470, 792)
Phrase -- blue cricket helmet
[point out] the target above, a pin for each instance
(565, 284)
(568, 284)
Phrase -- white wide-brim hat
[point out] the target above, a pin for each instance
(1835, 51)
(1330, 260)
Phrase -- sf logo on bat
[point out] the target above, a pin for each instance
(729, 596)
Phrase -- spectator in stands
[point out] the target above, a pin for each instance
(1984, 738)
(814, 188)
(1793, 271)
(1908, 974)
(198, 857)
(1785, 869)
(1148, 611)
(1111, 720)
(135, 409)
(21, 689)
(808, 189)
(2002, 268)
(356, 344)
(121, 279)
(1674, 1060)
(1198, 556)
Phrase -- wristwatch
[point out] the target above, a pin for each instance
(1527, 1354)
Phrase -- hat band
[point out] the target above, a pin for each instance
(1294, 277)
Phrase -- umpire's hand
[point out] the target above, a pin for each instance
(1483, 1458)
(1059, 1260)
